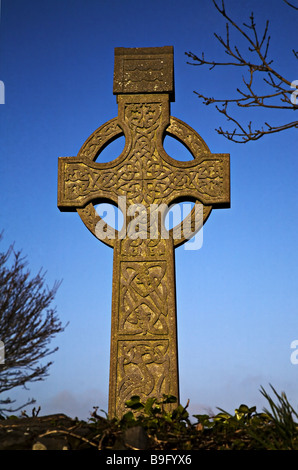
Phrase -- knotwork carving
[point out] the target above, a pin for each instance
(143, 369)
(144, 176)
(143, 298)
(163, 184)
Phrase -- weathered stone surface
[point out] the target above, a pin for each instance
(144, 70)
(59, 432)
(143, 358)
(29, 433)
(134, 438)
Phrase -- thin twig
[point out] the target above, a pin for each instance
(290, 4)
(61, 431)
(249, 97)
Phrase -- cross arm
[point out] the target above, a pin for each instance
(206, 179)
(81, 181)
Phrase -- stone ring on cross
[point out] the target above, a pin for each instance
(110, 131)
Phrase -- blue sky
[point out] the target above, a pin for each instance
(237, 299)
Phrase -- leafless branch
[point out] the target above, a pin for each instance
(257, 62)
(242, 135)
(290, 4)
(27, 325)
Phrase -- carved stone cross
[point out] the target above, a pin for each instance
(143, 358)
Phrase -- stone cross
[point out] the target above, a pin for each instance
(144, 178)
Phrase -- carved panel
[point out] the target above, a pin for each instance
(142, 369)
(143, 307)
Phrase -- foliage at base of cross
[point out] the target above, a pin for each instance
(149, 426)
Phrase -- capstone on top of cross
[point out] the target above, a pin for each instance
(144, 70)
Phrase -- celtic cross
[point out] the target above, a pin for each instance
(143, 355)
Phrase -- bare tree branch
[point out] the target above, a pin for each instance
(279, 92)
(27, 325)
(242, 135)
(290, 4)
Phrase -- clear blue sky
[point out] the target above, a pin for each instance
(237, 301)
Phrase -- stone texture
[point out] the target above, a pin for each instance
(144, 70)
(143, 358)
(134, 438)
(59, 432)
(29, 433)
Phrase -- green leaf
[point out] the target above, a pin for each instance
(134, 403)
(148, 405)
(243, 409)
(203, 419)
(128, 417)
(169, 399)
(180, 413)
(222, 417)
